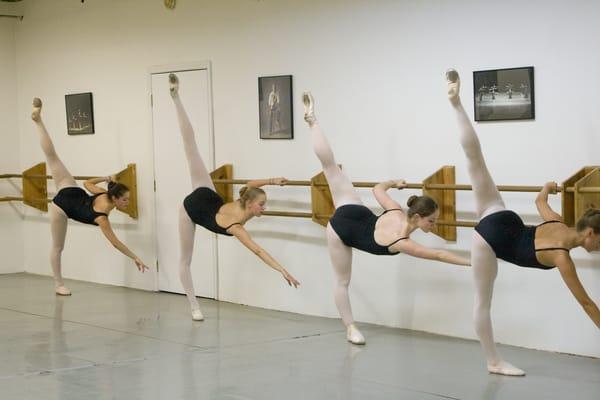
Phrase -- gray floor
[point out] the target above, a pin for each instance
(109, 342)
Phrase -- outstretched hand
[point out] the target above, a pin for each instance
(290, 279)
(140, 265)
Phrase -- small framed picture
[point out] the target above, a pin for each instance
(275, 107)
(504, 94)
(80, 114)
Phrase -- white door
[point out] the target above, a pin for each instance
(173, 180)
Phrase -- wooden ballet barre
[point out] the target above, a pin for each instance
(294, 214)
(8, 176)
(508, 188)
(591, 189)
(245, 181)
(579, 192)
(431, 186)
(443, 186)
(464, 224)
(77, 178)
(35, 191)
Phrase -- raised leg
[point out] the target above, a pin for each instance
(199, 175)
(62, 177)
(487, 196)
(341, 187)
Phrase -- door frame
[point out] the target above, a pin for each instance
(182, 67)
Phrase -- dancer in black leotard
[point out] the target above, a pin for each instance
(202, 206)
(502, 234)
(206, 208)
(354, 226)
(73, 202)
(512, 240)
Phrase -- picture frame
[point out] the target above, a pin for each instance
(504, 94)
(275, 107)
(80, 113)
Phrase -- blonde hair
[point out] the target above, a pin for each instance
(249, 193)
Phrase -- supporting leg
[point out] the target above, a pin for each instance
(58, 228)
(485, 269)
(187, 230)
(341, 259)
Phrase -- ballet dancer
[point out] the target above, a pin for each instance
(206, 208)
(502, 234)
(355, 226)
(73, 202)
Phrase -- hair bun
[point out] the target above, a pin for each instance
(116, 189)
(411, 200)
(243, 190)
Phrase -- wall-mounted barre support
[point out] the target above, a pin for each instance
(583, 196)
(35, 187)
(579, 192)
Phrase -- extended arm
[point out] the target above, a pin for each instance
(567, 271)
(416, 250)
(104, 225)
(242, 235)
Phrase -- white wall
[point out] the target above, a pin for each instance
(377, 72)
(11, 225)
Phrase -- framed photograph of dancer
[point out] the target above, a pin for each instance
(504, 94)
(80, 114)
(275, 107)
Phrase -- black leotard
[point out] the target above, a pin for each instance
(202, 206)
(511, 239)
(355, 225)
(78, 205)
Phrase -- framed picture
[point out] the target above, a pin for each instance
(80, 113)
(504, 94)
(275, 109)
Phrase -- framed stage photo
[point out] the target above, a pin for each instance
(275, 108)
(504, 94)
(80, 114)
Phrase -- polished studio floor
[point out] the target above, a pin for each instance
(108, 342)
